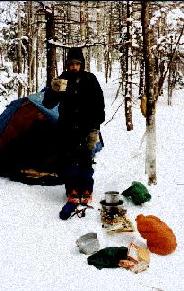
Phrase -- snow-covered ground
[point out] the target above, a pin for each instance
(38, 250)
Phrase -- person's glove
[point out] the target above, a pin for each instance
(59, 85)
(92, 139)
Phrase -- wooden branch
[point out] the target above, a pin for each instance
(162, 79)
(114, 114)
(74, 45)
(117, 93)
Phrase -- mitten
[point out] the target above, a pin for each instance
(59, 85)
(92, 139)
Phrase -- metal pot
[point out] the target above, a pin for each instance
(112, 197)
(111, 206)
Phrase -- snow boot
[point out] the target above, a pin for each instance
(67, 210)
(86, 197)
(74, 197)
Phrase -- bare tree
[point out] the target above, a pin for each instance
(149, 86)
(51, 49)
(128, 75)
(19, 54)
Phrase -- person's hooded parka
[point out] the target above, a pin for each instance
(81, 106)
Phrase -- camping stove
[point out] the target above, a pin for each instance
(113, 214)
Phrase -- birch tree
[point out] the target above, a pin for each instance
(149, 89)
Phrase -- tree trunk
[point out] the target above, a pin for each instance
(51, 49)
(128, 75)
(149, 84)
(141, 82)
(170, 74)
(19, 55)
(88, 49)
(37, 56)
(82, 21)
(30, 45)
(99, 30)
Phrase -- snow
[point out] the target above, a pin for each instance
(173, 15)
(38, 250)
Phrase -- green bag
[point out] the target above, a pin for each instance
(137, 192)
(108, 257)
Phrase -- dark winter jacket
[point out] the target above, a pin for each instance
(81, 106)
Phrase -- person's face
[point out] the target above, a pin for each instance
(74, 67)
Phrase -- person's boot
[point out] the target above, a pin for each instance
(73, 200)
(67, 210)
(74, 197)
(86, 197)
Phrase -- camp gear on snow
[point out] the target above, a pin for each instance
(71, 209)
(112, 208)
(112, 197)
(127, 264)
(59, 85)
(160, 238)
(112, 204)
(108, 257)
(116, 222)
(138, 193)
(138, 259)
(113, 214)
(81, 212)
(67, 210)
(88, 244)
(140, 256)
(92, 139)
(134, 267)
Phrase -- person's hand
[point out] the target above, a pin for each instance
(92, 139)
(59, 85)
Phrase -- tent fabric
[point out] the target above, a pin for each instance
(28, 136)
(37, 99)
(14, 105)
(8, 113)
(19, 122)
(27, 141)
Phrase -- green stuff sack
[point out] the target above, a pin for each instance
(138, 193)
(108, 257)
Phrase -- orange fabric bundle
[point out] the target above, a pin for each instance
(160, 238)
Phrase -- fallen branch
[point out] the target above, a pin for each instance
(114, 114)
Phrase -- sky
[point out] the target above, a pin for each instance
(38, 251)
